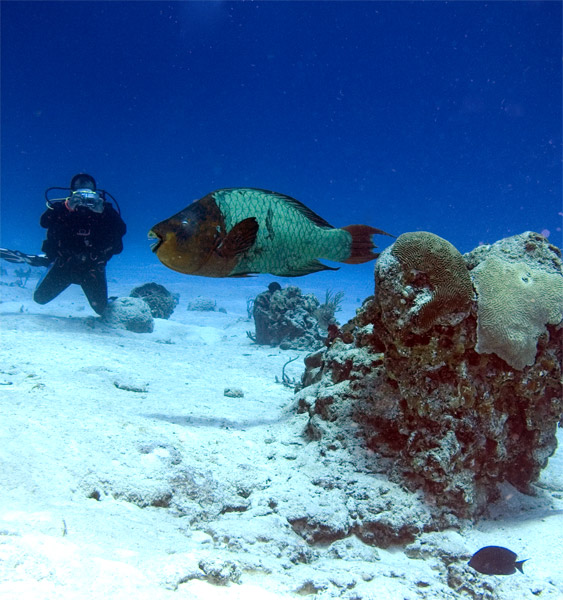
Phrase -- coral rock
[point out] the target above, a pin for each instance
(434, 414)
(428, 261)
(202, 304)
(516, 302)
(161, 302)
(132, 314)
(287, 318)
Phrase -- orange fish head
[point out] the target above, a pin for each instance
(186, 240)
(176, 245)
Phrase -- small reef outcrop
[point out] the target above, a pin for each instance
(129, 313)
(160, 301)
(201, 304)
(451, 372)
(287, 318)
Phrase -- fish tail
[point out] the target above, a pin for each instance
(518, 564)
(361, 249)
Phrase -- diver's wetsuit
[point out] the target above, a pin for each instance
(79, 243)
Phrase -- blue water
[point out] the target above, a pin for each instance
(405, 116)
(437, 116)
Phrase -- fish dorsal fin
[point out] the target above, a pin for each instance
(239, 239)
(299, 206)
(304, 210)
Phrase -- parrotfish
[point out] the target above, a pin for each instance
(235, 232)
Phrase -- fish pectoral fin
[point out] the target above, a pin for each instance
(239, 239)
(312, 266)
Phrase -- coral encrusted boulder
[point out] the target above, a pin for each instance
(287, 318)
(129, 313)
(451, 372)
(161, 302)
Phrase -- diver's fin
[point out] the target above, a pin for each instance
(312, 266)
(239, 239)
(15, 256)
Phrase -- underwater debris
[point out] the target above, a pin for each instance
(161, 302)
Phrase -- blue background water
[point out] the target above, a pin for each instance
(437, 116)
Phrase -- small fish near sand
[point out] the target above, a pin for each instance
(235, 232)
(496, 560)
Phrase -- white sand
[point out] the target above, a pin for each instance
(95, 422)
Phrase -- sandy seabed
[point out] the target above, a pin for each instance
(102, 430)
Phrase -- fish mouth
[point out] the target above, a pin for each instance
(155, 245)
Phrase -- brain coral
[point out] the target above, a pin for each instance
(445, 269)
(515, 303)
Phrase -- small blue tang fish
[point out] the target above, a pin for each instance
(496, 560)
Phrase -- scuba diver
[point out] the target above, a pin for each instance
(84, 231)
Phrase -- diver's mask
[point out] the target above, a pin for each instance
(87, 198)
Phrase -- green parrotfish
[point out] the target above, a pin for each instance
(235, 232)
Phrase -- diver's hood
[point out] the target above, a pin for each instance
(83, 181)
